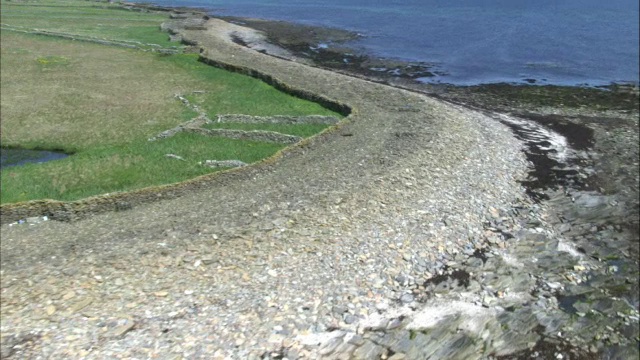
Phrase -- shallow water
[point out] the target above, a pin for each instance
(568, 42)
(16, 157)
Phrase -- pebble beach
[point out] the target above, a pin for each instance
(406, 232)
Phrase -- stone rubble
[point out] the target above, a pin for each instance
(223, 163)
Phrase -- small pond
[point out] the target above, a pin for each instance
(15, 157)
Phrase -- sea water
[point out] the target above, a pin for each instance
(563, 42)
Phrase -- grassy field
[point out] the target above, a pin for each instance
(86, 18)
(102, 103)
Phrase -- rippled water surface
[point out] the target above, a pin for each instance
(566, 42)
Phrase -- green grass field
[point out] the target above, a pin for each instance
(102, 103)
(87, 18)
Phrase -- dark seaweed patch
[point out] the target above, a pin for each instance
(462, 277)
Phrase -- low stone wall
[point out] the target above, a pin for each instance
(122, 201)
(278, 119)
(75, 37)
(255, 135)
(191, 106)
(331, 104)
(223, 163)
(194, 123)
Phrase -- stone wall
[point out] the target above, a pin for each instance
(255, 135)
(278, 119)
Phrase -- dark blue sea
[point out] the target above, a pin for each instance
(562, 42)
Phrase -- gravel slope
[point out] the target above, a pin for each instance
(266, 262)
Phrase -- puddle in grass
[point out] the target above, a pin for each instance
(16, 157)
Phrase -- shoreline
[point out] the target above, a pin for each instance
(530, 101)
(582, 127)
(333, 48)
(411, 207)
(330, 48)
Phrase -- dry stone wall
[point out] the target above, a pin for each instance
(76, 37)
(254, 135)
(278, 119)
